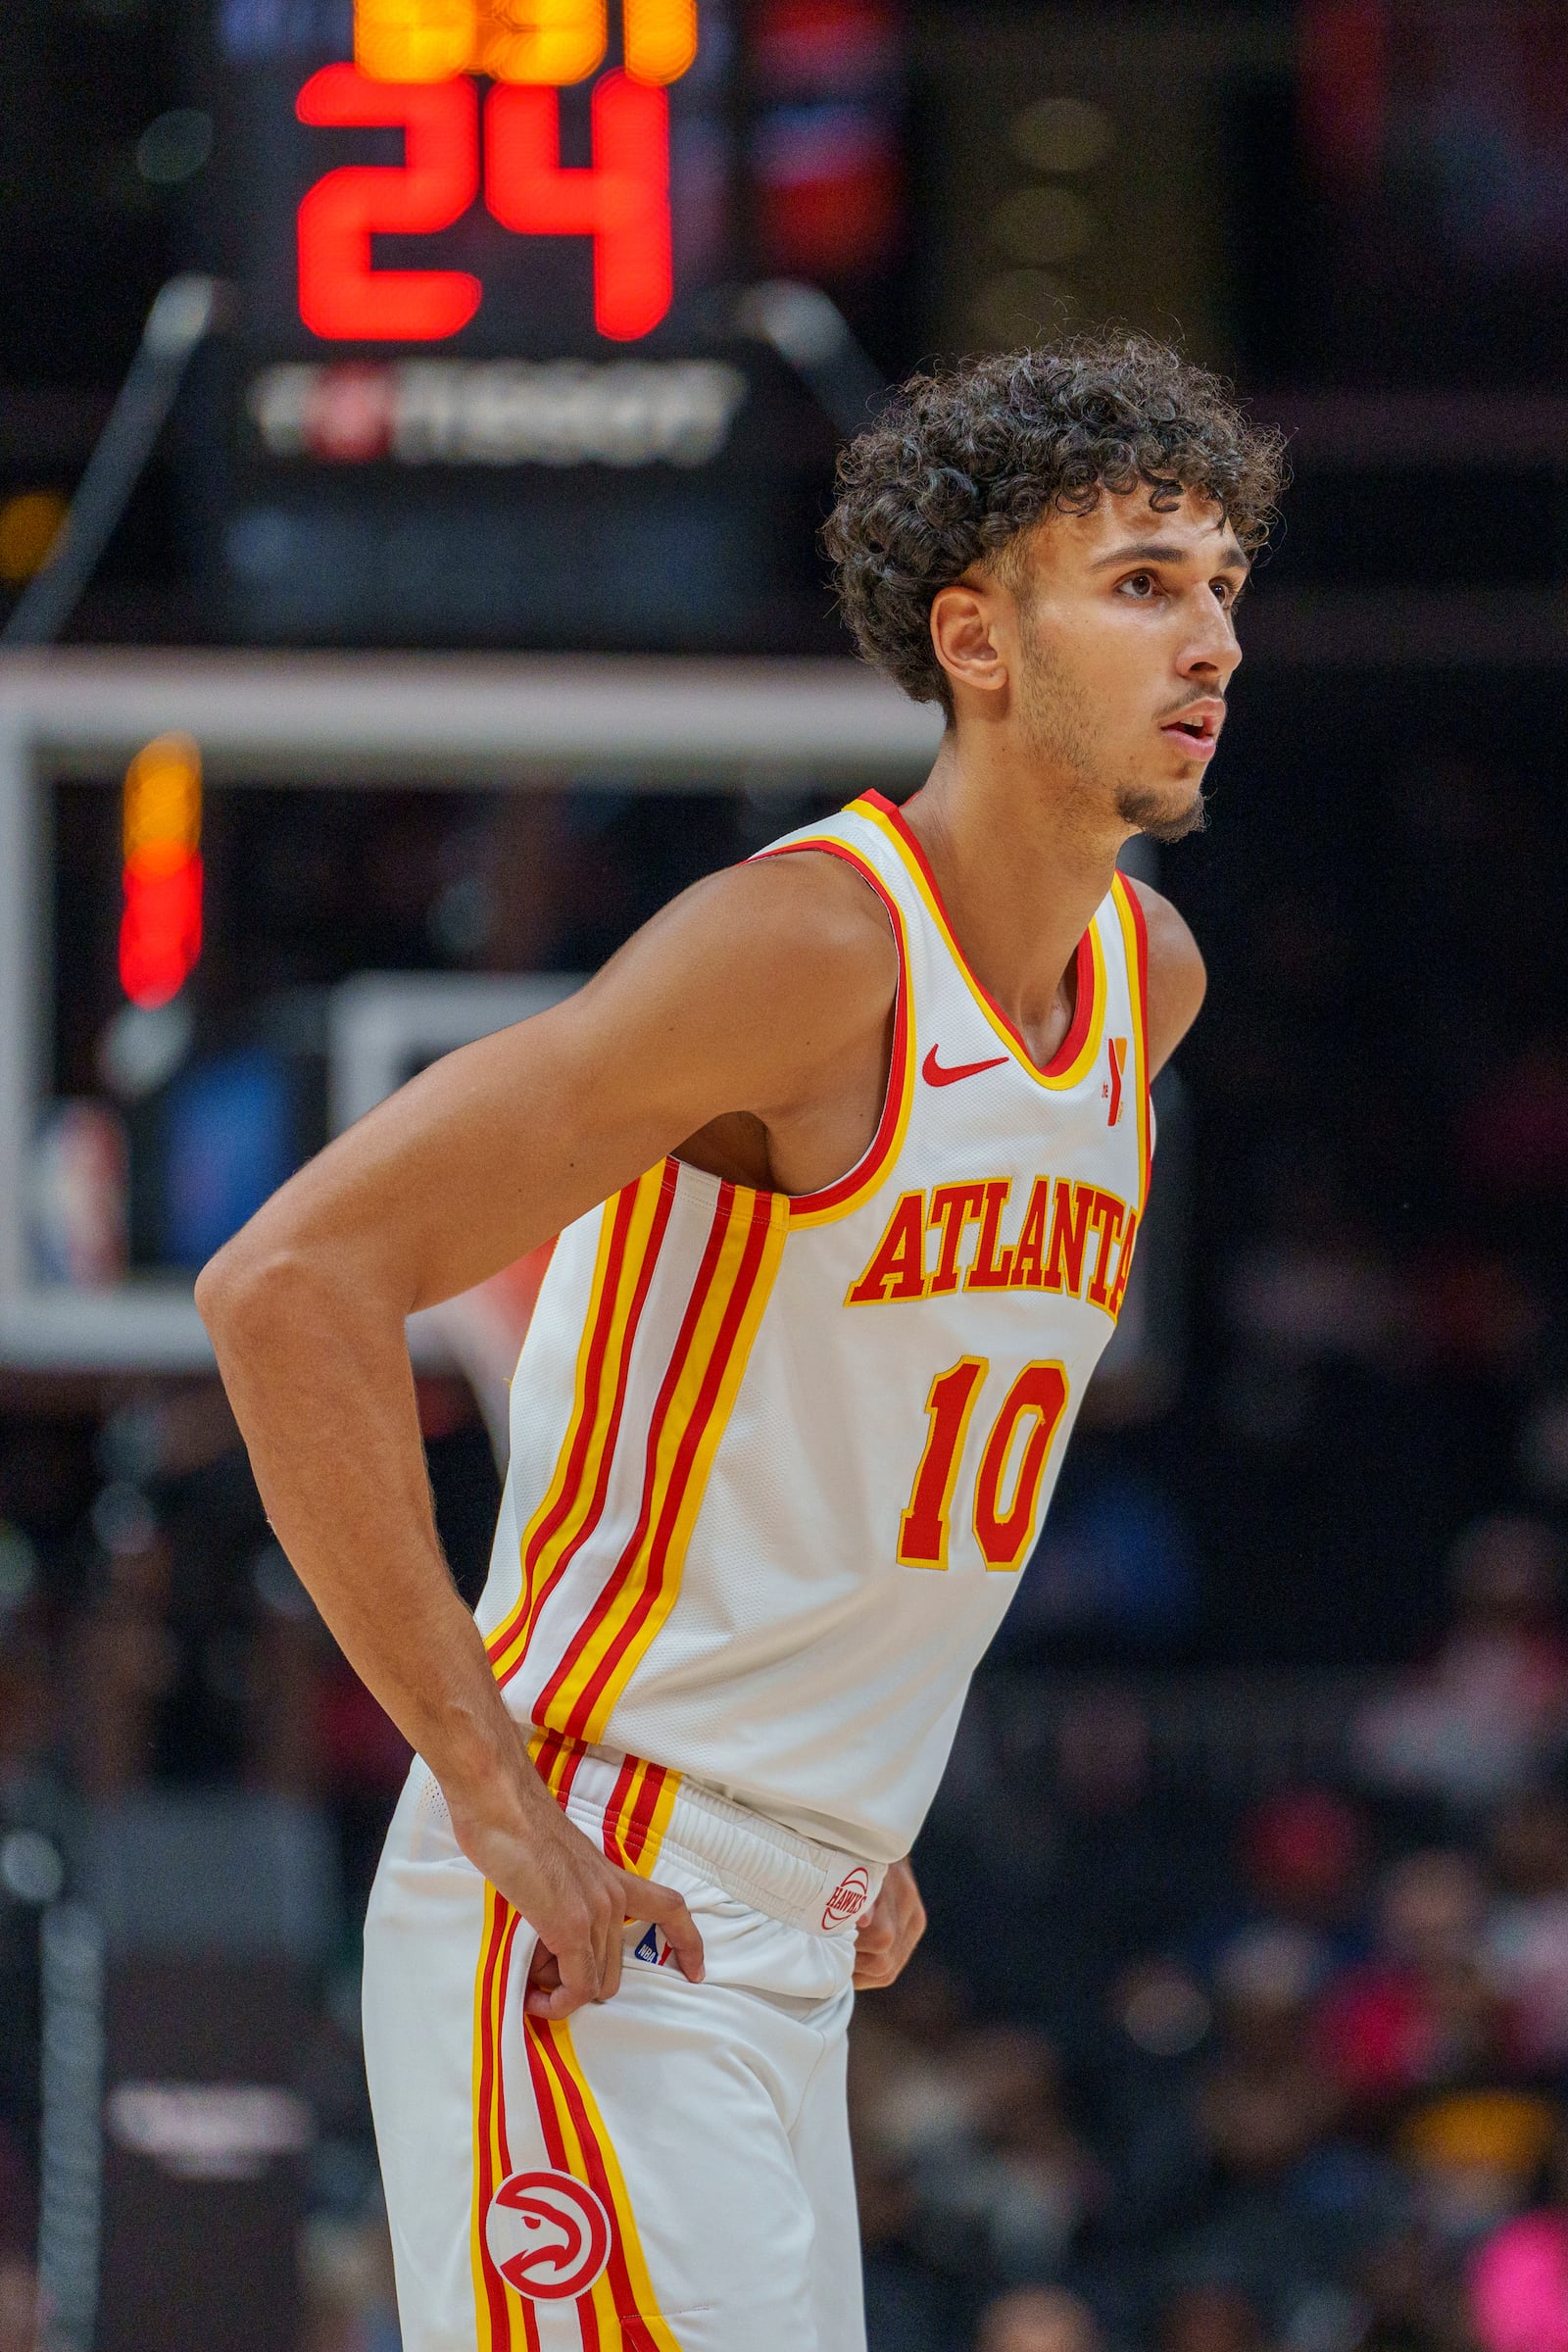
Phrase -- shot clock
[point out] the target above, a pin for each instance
(486, 388)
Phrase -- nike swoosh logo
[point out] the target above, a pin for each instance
(934, 1074)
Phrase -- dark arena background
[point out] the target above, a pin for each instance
(449, 395)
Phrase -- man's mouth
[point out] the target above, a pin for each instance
(1195, 731)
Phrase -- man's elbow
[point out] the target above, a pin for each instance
(252, 1277)
(226, 1288)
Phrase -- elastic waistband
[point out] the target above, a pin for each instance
(643, 1815)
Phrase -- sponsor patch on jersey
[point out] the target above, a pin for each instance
(548, 2235)
(848, 1900)
(653, 1947)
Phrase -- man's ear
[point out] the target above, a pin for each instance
(964, 635)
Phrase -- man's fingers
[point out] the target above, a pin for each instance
(543, 1984)
(646, 1899)
(610, 1975)
(581, 1975)
(542, 1969)
(889, 1932)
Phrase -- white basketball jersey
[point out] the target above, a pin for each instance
(776, 1462)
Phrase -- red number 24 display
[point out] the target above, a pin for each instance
(621, 200)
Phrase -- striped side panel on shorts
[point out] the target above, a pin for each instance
(505, 2323)
(620, 2313)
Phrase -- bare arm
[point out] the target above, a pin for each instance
(735, 999)
(1177, 979)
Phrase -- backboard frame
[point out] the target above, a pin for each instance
(523, 724)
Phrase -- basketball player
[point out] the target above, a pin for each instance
(848, 1153)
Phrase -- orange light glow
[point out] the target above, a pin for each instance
(160, 927)
(546, 42)
(661, 39)
(414, 40)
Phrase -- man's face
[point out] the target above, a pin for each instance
(1126, 645)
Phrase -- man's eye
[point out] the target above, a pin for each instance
(1141, 582)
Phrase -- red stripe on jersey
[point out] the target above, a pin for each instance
(607, 1450)
(677, 1362)
(643, 1815)
(680, 1474)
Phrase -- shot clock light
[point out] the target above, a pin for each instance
(413, 64)
(160, 927)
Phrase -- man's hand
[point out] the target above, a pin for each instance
(575, 1900)
(890, 1930)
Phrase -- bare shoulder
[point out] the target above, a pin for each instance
(1177, 975)
(800, 933)
(746, 988)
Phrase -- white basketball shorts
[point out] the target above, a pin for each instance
(667, 2171)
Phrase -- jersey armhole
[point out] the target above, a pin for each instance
(1135, 943)
(837, 1200)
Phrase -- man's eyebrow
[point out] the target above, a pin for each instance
(1164, 551)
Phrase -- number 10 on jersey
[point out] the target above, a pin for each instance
(1007, 1498)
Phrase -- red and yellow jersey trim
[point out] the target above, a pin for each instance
(838, 1199)
(1079, 1050)
(734, 1281)
(631, 1236)
(1135, 939)
(636, 1812)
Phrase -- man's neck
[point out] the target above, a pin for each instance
(1021, 874)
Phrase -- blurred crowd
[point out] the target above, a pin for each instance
(1177, 2076)
(1178, 2070)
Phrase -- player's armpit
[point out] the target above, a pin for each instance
(1177, 977)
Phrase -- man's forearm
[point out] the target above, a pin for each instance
(323, 1390)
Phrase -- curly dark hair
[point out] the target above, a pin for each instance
(958, 463)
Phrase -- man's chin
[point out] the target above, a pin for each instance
(1160, 814)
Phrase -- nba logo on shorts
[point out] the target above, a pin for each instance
(547, 2235)
(848, 1900)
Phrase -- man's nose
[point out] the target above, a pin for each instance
(1213, 651)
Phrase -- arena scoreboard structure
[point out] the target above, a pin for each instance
(485, 385)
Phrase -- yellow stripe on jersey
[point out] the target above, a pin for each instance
(638, 1815)
(733, 1284)
(644, 1855)
(631, 1230)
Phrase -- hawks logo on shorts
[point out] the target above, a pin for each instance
(547, 2235)
(848, 1900)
